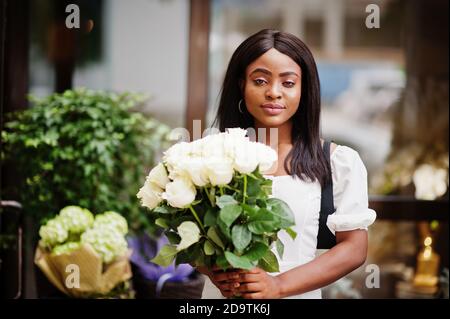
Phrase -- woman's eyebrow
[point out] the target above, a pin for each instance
(265, 71)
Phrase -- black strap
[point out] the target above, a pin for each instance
(325, 238)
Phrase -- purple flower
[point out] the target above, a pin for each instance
(145, 248)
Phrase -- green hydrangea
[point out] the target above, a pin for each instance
(112, 219)
(66, 248)
(108, 242)
(53, 233)
(76, 219)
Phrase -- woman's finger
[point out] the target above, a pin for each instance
(248, 288)
(229, 286)
(225, 276)
(203, 270)
(253, 295)
(249, 277)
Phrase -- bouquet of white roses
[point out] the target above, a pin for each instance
(96, 246)
(214, 204)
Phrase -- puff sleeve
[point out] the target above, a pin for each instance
(350, 192)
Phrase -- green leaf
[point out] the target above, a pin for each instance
(282, 211)
(173, 237)
(256, 251)
(177, 221)
(266, 187)
(261, 203)
(225, 200)
(269, 262)
(291, 233)
(210, 218)
(164, 209)
(212, 234)
(161, 222)
(241, 236)
(264, 222)
(189, 233)
(189, 255)
(228, 214)
(222, 262)
(165, 256)
(280, 247)
(250, 211)
(253, 187)
(208, 248)
(237, 261)
(224, 229)
(261, 238)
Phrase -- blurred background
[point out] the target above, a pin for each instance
(383, 66)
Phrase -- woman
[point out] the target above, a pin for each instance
(272, 82)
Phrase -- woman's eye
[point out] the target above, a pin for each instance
(289, 84)
(259, 81)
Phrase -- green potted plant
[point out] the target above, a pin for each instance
(81, 147)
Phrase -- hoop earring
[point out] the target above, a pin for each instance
(239, 106)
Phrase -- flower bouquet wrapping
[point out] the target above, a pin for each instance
(214, 204)
(83, 256)
(154, 281)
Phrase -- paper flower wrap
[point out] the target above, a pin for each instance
(82, 256)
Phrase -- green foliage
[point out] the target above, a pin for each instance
(82, 147)
(236, 234)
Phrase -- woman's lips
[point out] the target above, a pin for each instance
(272, 108)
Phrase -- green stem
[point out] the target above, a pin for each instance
(196, 217)
(232, 188)
(245, 189)
(221, 190)
(208, 195)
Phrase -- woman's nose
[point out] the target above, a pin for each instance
(273, 92)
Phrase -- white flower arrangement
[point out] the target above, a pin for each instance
(75, 226)
(97, 246)
(212, 201)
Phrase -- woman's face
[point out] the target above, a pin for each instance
(272, 89)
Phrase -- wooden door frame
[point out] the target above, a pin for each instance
(197, 81)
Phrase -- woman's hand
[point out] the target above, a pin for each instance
(258, 284)
(226, 281)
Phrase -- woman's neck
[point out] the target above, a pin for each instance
(274, 136)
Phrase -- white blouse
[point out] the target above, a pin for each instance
(350, 201)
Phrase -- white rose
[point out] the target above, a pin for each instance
(150, 195)
(245, 159)
(177, 150)
(266, 155)
(158, 176)
(196, 147)
(234, 142)
(213, 146)
(180, 193)
(219, 170)
(197, 171)
(174, 156)
(237, 132)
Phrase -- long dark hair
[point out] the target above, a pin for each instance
(306, 157)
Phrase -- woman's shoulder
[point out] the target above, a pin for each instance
(345, 160)
(342, 149)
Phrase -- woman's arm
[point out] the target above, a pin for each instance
(349, 253)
